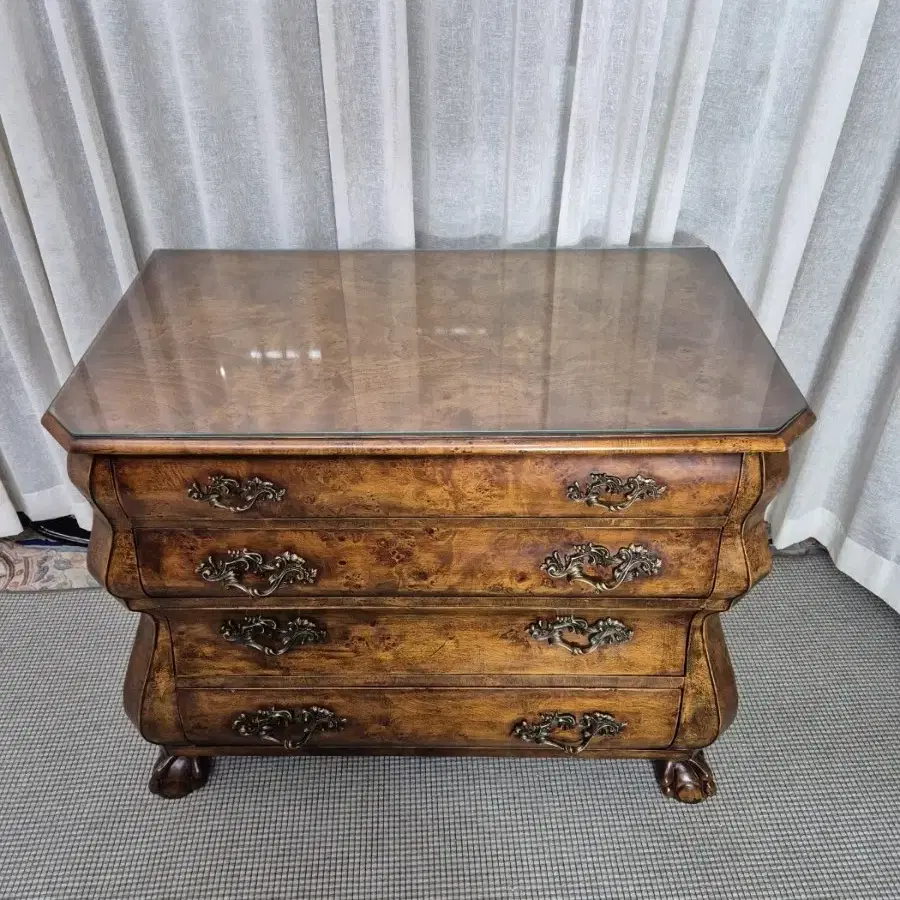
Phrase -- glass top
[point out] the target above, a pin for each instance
(576, 342)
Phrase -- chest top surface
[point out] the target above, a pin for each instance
(244, 345)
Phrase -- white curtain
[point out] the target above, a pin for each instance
(768, 129)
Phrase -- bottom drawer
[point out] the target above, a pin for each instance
(569, 720)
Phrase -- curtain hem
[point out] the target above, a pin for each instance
(39, 505)
(875, 573)
(9, 521)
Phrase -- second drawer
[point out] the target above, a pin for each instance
(428, 557)
(371, 644)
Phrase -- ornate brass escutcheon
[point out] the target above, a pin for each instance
(602, 633)
(285, 568)
(289, 728)
(271, 639)
(600, 485)
(628, 563)
(224, 492)
(591, 725)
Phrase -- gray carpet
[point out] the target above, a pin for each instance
(808, 803)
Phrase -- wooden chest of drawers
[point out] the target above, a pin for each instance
(490, 561)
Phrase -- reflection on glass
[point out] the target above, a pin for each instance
(225, 343)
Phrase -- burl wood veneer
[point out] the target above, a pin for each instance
(416, 502)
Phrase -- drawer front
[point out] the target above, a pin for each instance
(511, 719)
(421, 558)
(230, 489)
(369, 645)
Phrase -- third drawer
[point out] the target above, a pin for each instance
(371, 645)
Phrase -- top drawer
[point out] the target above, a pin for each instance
(567, 485)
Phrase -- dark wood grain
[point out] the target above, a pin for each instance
(436, 717)
(699, 485)
(207, 750)
(385, 644)
(434, 445)
(710, 694)
(237, 345)
(149, 694)
(370, 678)
(437, 556)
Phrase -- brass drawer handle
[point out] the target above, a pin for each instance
(601, 634)
(289, 728)
(270, 638)
(591, 725)
(633, 561)
(286, 568)
(224, 492)
(599, 484)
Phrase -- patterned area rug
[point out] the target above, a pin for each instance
(30, 562)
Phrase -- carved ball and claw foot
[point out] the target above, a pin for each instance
(174, 777)
(686, 780)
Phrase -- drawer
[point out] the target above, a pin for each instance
(329, 719)
(473, 557)
(369, 645)
(537, 485)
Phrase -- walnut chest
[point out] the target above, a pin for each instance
(430, 502)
